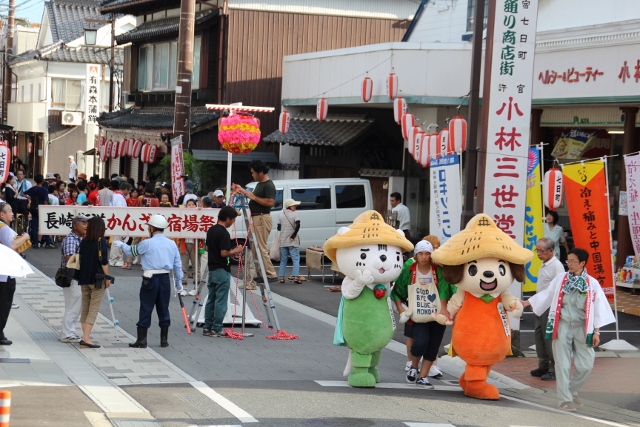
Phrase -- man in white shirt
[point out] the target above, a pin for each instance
(550, 269)
(403, 215)
(21, 186)
(73, 169)
(116, 257)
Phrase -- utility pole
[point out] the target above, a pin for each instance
(182, 113)
(8, 52)
(112, 63)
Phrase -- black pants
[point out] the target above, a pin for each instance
(7, 289)
(155, 292)
(427, 338)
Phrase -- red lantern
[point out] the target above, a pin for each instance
(30, 147)
(457, 135)
(145, 153)
(416, 141)
(14, 150)
(130, 143)
(552, 188)
(367, 89)
(137, 148)
(283, 123)
(101, 141)
(434, 153)
(443, 142)
(239, 133)
(425, 156)
(108, 149)
(411, 134)
(115, 150)
(392, 86)
(408, 121)
(5, 155)
(322, 109)
(122, 148)
(399, 109)
(153, 153)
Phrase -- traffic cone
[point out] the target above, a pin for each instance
(5, 407)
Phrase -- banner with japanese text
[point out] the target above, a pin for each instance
(534, 229)
(177, 169)
(128, 221)
(92, 94)
(588, 205)
(632, 169)
(446, 197)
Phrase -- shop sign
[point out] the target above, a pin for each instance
(574, 144)
(632, 168)
(92, 93)
(446, 197)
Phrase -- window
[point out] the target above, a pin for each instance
(32, 93)
(161, 66)
(471, 13)
(22, 93)
(67, 94)
(350, 196)
(158, 63)
(195, 81)
(312, 198)
(39, 94)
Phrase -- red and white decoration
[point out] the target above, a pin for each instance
(367, 89)
(5, 161)
(14, 150)
(30, 147)
(399, 109)
(552, 189)
(115, 149)
(416, 141)
(145, 153)
(130, 143)
(411, 134)
(432, 140)
(425, 155)
(153, 153)
(392, 86)
(122, 148)
(321, 109)
(457, 135)
(408, 121)
(443, 143)
(108, 146)
(137, 149)
(283, 123)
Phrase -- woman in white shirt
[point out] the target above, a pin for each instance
(555, 232)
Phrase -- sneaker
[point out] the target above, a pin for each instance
(412, 375)
(252, 287)
(221, 334)
(435, 372)
(567, 406)
(51, 246)
(408, 365)
(207, 332)
(424, 382)
(538, 372)
(72, 339)
(14, 305)
(192, 292)
(183, 293)
(549, 376)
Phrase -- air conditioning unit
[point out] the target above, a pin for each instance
(71, 118)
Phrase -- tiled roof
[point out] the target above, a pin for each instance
(60, 53)
(111, 5)
(335, 132)
(153, 118)
(67, 17)
(163, 27)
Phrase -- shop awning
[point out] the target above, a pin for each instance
(91, 152)
(335, 132)
(221, 156)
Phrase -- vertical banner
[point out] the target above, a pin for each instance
(93, 94)
(177, 169)
(446, 197)
(588, 204)
(533, 230)
(632, 169)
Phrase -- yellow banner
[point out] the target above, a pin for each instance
(533, 228)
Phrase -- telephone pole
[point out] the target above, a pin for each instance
(8, 52)
(182, 113)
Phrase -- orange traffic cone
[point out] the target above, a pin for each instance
(5, 407)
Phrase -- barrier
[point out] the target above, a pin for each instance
(5, 407)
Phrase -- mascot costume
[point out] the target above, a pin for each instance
(482, 261)
(369, 254)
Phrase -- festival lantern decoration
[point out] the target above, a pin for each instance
(367, 89)
(408, 121)
(115, 150)
(122, 148)
(145, 153)
(443, 143)
(552, 188)
(432, 140)
(130, 143)
(153, 153)
(416, 141)
(425, 155)
(30, 147)
(239, 133)
(5, 155)
(457, 135)
(392, 86)
(283, 123)
(411, 134)
(321, 109)
(137, 149)
(14, 150)
(399, 109)
(108, 146)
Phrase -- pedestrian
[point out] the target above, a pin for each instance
(72, 293)
(61, 192)
(104, 193)
(117, 258)
(94, 194)
(10, 192)
(94, 267)
(159, 256)
(149, 199)
(38, 196)
(73, 196)
(218, 199)
(188, 185)
(403, 218)
(82, 177)
(133, 199)
(49, 180)
(189, 252)
(550, 269)
(578, 309)
(555, 232)
(220, 249)
(261, 200)
(288, 226)
(165, 201)
(21, 186)
(202, 249)
(82, 192)
(73, 169)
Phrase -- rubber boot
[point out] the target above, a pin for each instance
(164, 334)
(141, 342)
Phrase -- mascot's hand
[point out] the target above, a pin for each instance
(516, 307)
(363, 278)
(405, 316)
(443, 320)
(455, 304)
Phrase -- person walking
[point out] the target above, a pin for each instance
(38, 195)
(403, 215)
(94, 264)
(288, 226)
(578, 309)
(219, 280)
(22, 185)
(72, 294)
(158, 256)
(73, 169)
(550, 269)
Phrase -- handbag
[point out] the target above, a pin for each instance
(424, 301)
(274, 250)
(73, 266)
(62, 279)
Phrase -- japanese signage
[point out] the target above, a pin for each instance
(446, 197)
(588, 205)
(92, 93)
(574, 143)
(177, 169)
(632, 168)
(128, 221)
(533, 230)
(5, 161)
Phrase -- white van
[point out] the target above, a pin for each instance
(326, 205)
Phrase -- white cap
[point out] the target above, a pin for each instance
(218, 193)
(71, 157)
(423, 246)
(188, 197)
(158, 221)
(290, 202)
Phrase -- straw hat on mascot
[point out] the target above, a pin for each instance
(369, 254)
(482, 261)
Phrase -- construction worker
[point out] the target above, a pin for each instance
(158, 256)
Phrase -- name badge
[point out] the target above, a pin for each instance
(505, 321)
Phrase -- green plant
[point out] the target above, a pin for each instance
(202, 173)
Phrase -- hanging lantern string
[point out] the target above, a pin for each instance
(631, 154)
(354, 78)
(588, 160)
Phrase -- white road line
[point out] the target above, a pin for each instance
(223, 402)
(390, 386)
(98, 419)
(409, 424)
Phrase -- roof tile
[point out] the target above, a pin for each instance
(153, 118)
(67, 17)
(335, 132)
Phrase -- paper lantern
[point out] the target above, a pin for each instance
(367, 89)
(145, 153)
(392, 86)
(5, 155)
(408, 121)
(322, 109)
(443, 143)
(115, 150)
(425, 155)
(283, 123)
(239, 133)
(552, 188)
(137, 149)
(153, 153)
(457, 135)
(416, 141)
(130, 143)
(101, 141)
(411, 133)
(122, 148)
(399, 109)
(30, 147)
(432, 140)
(14, 150)
(108, 146)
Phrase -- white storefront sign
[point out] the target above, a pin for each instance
(446, 198)
(92, 94)
(632, 169)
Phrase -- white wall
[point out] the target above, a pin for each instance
(557, 15)
(442, 21)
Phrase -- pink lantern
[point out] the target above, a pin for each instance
(137, 148)
(153, 153)
(416, 141)
(425, 156)
(145, 153)
(392, 86)
(322, 109)
(552, 188)
(130, 143)
(101, 141)
(30, 147)
(122, 148)
(5, 155)
(408, 121)
(432, 139)
(367, 89)
(443, 142)
(108, 149)
(283, 123)
(457, 135)
(239, 133)
(14, 150)
(399, 109)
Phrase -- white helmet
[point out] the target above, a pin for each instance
(158, 221)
